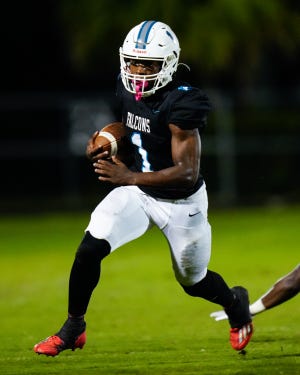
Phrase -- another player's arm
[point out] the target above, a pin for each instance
(284, 289)
(186, 150)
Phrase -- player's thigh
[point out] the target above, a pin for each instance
(189, 236)
(119, 218)
(190, 250)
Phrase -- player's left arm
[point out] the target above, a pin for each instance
(186, 151)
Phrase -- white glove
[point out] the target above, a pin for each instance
(219, 315)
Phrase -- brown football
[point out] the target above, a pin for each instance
(111, 138)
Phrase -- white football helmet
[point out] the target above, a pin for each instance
(150, 40)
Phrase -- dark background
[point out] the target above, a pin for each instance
(59, 61)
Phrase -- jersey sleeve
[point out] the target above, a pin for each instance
(189, 108)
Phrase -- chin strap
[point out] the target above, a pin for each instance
(139, 87)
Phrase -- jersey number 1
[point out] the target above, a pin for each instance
(137, 140)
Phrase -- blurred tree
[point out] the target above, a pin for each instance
(238, 38)
(227, 42)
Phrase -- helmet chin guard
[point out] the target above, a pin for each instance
(153, 41)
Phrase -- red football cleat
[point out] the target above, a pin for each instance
(240, 319)
(53, 345)
(239, 337)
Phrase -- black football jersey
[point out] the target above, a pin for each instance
(147, 124)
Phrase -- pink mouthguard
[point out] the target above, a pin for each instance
(139, 86)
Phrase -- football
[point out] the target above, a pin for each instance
(111, 138)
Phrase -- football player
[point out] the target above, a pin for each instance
(283, 290)
(164, 121)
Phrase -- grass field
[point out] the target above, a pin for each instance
(139, 319)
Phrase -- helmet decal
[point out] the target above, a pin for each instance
(144, 34)
(169, 34)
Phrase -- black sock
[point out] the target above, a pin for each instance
(85, 273)
(71, 329)
(212, 288)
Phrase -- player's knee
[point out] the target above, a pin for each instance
(193, 289)
(191, 281)
(92, 249)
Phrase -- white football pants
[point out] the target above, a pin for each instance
(126, 213)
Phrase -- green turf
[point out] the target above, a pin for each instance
(139, 320)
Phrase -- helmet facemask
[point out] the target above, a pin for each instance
(145, 85)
